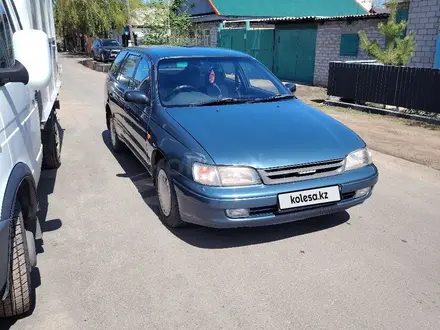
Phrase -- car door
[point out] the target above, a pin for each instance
(139, 115)
(125, 83)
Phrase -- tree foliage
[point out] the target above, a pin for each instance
(398, 48)
(91, 17)
(165, 24)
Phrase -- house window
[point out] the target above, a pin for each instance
(199, 37)
(207, 38)
(349, 45)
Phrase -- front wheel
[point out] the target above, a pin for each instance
(51, 139)
(168, 205)
(19, 299)
(117, 145)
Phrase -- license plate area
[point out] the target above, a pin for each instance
(310, 197)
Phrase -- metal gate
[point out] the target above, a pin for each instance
(258, 43)
(232, 39)
(295, 48)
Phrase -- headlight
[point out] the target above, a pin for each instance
(226, 176)
(358, 159)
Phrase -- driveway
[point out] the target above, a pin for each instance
(109, 263)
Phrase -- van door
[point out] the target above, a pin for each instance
(20, 116)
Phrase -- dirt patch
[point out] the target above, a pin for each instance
(411, 140)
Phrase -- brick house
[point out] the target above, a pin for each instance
(207, 15)
(424, 21)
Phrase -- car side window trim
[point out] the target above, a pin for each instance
(129, 77)
(150, 67)
(120, 64)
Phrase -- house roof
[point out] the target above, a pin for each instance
(286, 20)
(279, 8)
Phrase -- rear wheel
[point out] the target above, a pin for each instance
(168, 205)
(19, 299)
(51, 143)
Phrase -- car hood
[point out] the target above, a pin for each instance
(264, 135)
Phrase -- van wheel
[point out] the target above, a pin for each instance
(168, 205)
(51, 143)
(19, 299)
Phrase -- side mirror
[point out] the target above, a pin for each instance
(137, 97)
(32, 60)
(291, 87)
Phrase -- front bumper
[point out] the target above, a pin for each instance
(206, 206)
(110, 56)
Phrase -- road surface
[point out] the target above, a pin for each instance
(109, 263)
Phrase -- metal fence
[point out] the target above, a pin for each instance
(411, 88)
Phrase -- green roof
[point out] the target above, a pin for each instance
(293, 8)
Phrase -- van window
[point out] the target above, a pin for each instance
(6, 49)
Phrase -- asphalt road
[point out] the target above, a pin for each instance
(108, 262)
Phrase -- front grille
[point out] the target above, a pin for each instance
(302, 172)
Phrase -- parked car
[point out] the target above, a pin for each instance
(105, 49)
(29, 139)
(228, 145)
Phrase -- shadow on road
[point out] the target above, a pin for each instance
(209, 238)
(137, 173)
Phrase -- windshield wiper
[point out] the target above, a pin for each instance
(275, 98)
(228, 100)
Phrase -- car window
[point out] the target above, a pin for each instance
(125, 76)
(192, 81)
(256, 78)
(107, 43)
(117, 63)
(142, 77)
(6, 48)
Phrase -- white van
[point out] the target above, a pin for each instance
(29, 139)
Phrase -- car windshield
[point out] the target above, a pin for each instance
(210, 81)
(107, 43)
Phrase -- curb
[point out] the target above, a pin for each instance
(100, 67)
(383, 112)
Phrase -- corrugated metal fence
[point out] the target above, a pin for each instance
(412, 88)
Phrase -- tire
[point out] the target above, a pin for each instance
(102, 58)
(51, 143)
(169, 211)
(117, 145)
(19, 299)
(92, 55)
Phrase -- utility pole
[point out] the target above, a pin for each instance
(130, 32)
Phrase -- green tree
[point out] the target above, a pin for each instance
(165, 24)
(398, 48)
(91, 17)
